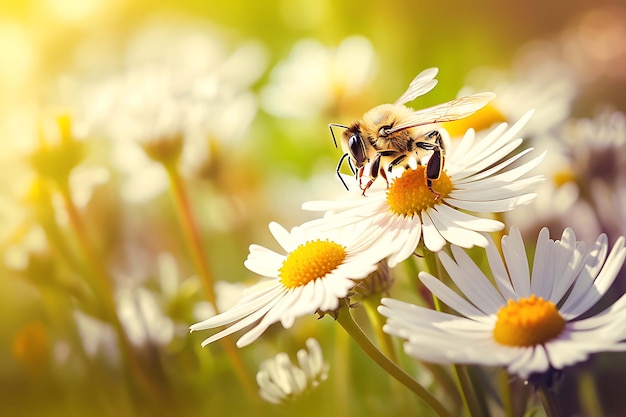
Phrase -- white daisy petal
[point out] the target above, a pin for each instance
(471, 281)
(515, 256)
(454, 234)
(499, 271)
(282, 236)
(487, 332)
(480, 175)
(604, 279)
(432, 237)
(449, 297)
(280, 380)
(494, 206)
(468, 221)
(290, 292)
(263, 261)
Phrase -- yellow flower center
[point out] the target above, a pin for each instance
(562, 177)
(310, 261)
(528, 322)
(409, 194)
(482, 119)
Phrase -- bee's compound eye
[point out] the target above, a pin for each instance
(355, 144)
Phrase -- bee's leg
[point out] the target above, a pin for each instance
(374, 169)
(345, 155)
(358, 175)
(431, 141)
(395, 162)
(433, 170)
(432, 138)
(435, 163)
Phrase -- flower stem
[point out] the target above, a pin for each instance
(549, 401)
(191, 233)
(105, 290)
(371, 304)
(467, 392)
(352, 328)
(588, 394)
(197, 252)
(341, 370)
(505, 393)
(468, 395)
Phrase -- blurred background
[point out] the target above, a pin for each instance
(146, 144)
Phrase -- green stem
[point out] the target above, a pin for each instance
(549, 401)
(588, 394)
(197, 252)
(344, 318)
(341, 371)
(371, 304)
(467, 391)
(191, 233)
(468, 395)
(377, 321)
(105, 289)
(505, 393)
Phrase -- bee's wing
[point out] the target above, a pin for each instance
(421, 84)
(452, 110)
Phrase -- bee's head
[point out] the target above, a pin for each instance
(353, 144)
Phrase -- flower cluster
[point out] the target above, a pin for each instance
(532, 321)
(280, 380)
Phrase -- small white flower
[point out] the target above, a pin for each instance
(279, 380)
(530, 321)
(538, 80)
(319, 269)
(596, 148)
(314, 76)
(143, 318)
(477, 177)
(198, 92)
(586, 170)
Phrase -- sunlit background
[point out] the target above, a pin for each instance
(100, 280)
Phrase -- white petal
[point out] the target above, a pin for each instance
(468, 221)
(243, 308)
(283, 237)
(495, 206)
(605, 278)
(449, 297)
(499, 271)
(517, 263)
(455, 234)
(432, 238)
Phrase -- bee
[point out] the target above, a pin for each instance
(393, 135)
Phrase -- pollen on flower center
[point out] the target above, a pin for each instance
(528, 322)
(409, 194)
(310, 261)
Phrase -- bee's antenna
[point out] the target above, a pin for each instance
(330, 126)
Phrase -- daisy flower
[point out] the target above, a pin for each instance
(280, 380)
(477, 177)
(587, 160)
(315, 77)
(530, 321)
(318, 270)
(539, 80)
(182, 104)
